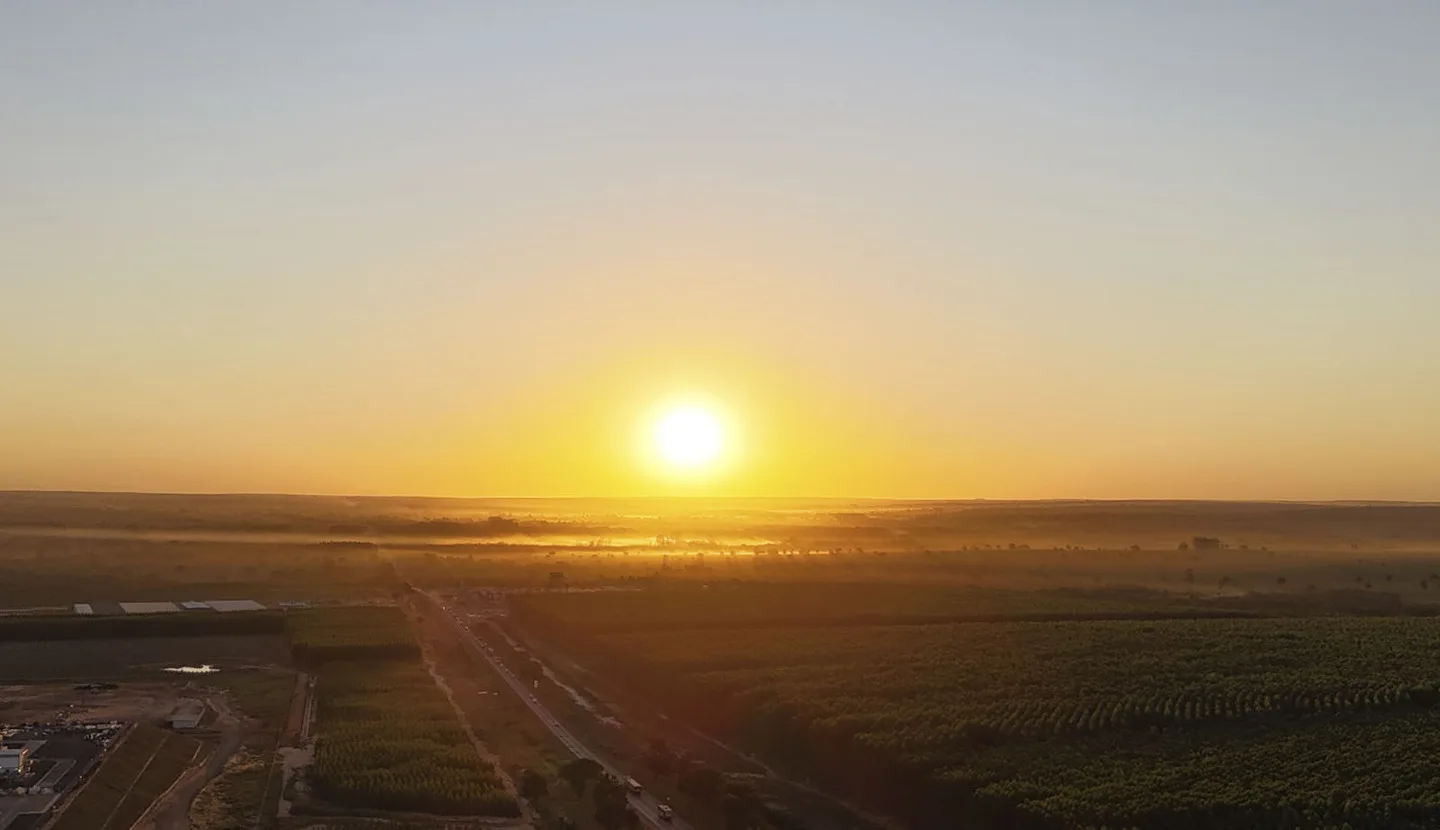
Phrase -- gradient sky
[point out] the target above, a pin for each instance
(992, 249)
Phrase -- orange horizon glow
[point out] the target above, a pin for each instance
(949, 251)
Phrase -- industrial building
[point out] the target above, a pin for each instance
(187, 714)
(14, 761)
(149, 607)
(229, 605)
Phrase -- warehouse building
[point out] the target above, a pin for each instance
(14, 761)
(149, 607)
(229, 605)
(187, 714)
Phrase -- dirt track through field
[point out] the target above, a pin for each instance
(173, 813)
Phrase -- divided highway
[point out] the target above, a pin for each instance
(645, 805)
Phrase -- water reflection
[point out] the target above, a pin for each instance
(205, 669)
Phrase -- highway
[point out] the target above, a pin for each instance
(644, 804)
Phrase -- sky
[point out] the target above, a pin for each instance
(1022, 249)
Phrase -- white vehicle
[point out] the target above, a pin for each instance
(633, 786)
(665, 812)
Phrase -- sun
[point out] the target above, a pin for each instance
(688, 437)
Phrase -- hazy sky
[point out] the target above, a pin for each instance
(1006, 249)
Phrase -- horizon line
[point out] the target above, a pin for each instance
(672, 497)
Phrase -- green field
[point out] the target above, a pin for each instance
(1285, 722)
(141, 769)
(771, 604)
(362, 632)
(389, 740)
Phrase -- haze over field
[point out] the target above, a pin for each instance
(830, 416)
(1113, 249)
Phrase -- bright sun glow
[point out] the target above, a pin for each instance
(689, 437)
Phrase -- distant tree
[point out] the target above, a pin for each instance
(612, 807)
(533, 785)
(1280, 580)
(1183, 546)
(1206, 543)
(741, 807)
(702, 782)
(580, 772)
(660, 758)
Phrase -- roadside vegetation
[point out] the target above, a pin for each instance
(234, 799)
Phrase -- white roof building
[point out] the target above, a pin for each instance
(235, 605)
(14, 760)
(149, 607)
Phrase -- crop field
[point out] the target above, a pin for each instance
(389, 740)
(1285, 722)
(361, 632)
(144, 657)
(141, 769)
(759, 604)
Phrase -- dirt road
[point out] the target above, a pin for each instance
(173, 812)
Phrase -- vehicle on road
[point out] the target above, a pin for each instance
(665, 812)
(633, 786)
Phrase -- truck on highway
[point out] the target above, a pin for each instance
(633, 786)
(665, 812)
